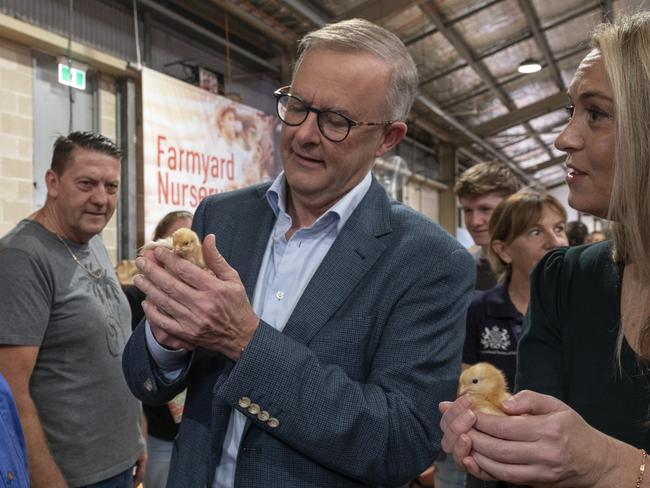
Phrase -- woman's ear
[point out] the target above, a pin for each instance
(501, 250)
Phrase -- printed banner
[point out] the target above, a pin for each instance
(196, 144)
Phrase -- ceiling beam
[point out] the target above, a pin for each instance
(519, 116)
(441, 133)
(545, 164)
(583, 48)
(154, 6)
(431, 10)
(378, 11)
(515, 40)
(270, 27)
(486, 146)
(307, 12)
(445, 136)
(485, 54)
(433, 30)
(533, 22)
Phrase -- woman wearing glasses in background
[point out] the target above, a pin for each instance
(586, 339)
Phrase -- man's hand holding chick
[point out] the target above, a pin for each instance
(187, 307)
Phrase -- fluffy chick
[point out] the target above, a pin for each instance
(486, 386)
(184, 243)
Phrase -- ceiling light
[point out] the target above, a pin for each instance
(528, 66)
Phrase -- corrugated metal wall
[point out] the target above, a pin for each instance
(102, 25)
(108, 26)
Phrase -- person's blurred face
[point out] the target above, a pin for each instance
(318, 171)
(85, 194)
(589, 138)
(477, 212)
(527, 249)
(178, 224)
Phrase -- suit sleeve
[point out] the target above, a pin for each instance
(539, 354)
(384, 429)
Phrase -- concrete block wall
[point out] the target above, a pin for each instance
(16, 134)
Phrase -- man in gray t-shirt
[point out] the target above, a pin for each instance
(64, 322)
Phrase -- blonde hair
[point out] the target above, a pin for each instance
(485, 178)
(362, 36)
(625, 47)
(514, 216)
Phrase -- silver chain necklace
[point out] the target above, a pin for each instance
(98, 274)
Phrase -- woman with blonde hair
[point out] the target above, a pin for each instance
(586, 342)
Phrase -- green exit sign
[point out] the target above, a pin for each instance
(69, 76)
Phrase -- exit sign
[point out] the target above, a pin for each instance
(76, 78)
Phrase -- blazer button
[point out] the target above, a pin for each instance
(254, 409)
(148, 385)
(263, 416)
(273, 422)
(244, 402)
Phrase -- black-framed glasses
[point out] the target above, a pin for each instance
(333, 125)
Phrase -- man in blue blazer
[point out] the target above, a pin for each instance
(317, 350)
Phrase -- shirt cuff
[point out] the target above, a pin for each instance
(170, 362)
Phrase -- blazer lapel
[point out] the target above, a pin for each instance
(354, 252)
(250, 240)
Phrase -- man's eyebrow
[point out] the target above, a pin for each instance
(333, 108)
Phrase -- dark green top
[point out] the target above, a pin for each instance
(568, 347)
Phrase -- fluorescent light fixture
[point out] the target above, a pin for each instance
(528, 66)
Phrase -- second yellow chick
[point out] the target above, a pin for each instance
(486, 386)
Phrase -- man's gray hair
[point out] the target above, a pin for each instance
(362, 36)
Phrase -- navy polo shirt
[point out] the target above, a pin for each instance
(493, 329)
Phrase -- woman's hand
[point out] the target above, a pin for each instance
(542, 441)
(457, 422)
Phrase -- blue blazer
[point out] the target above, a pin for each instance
(355, 378)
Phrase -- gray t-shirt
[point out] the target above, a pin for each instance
(81, 325)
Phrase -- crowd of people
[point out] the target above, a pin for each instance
(322, 345)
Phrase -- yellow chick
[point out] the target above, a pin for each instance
(184, 243)
(486, 386)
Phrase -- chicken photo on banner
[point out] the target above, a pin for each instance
(486, 386)
(184, 243)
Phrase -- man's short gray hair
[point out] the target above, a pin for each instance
(362, 36)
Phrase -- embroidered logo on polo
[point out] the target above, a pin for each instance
(495, 338)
